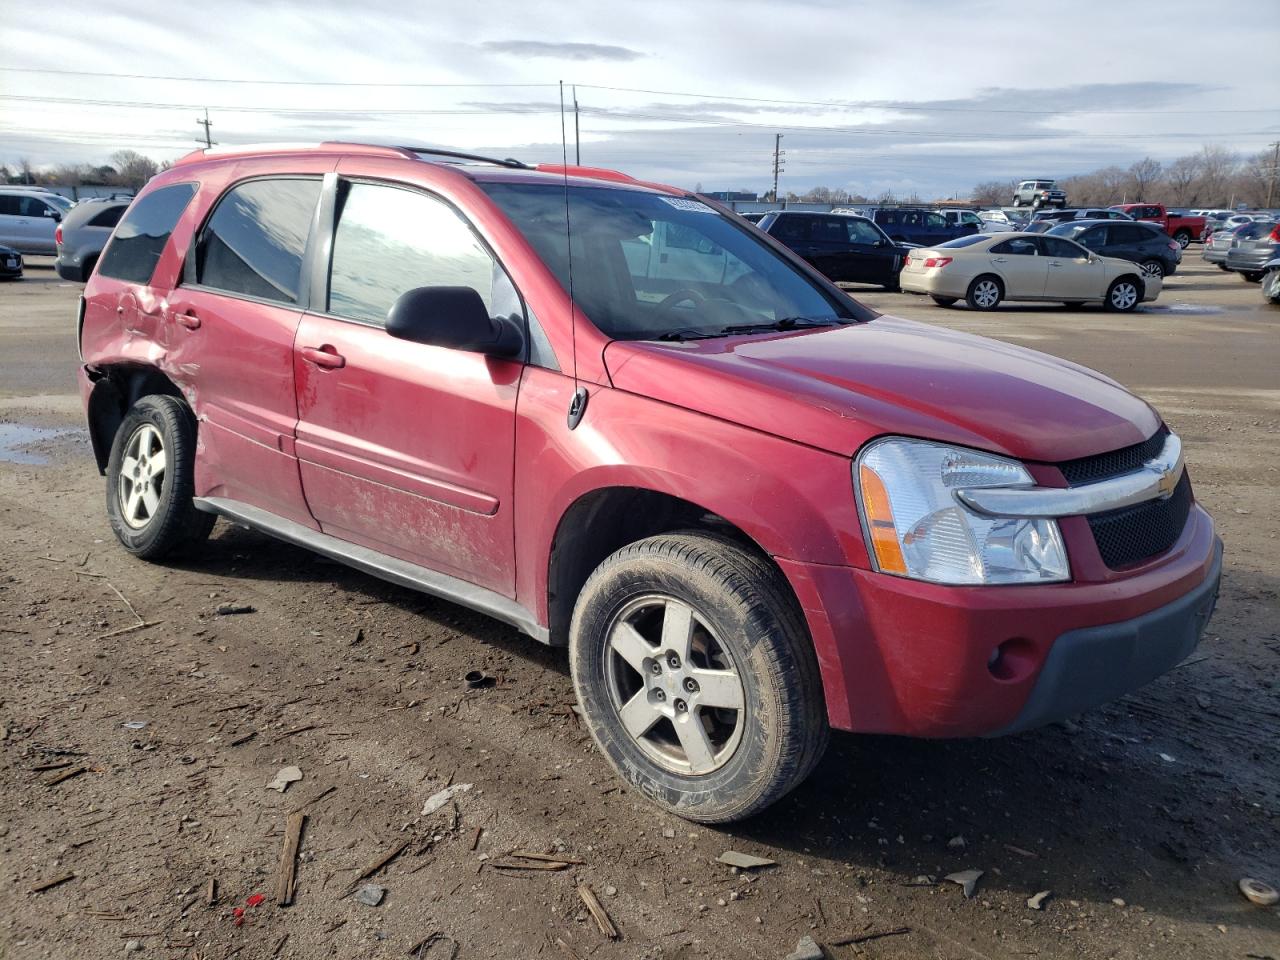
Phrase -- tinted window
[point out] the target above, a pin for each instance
(965, 241)
(1018, 246)
(862, 231)
(253, 243)
(1091, 237)
(1065, 249)
(632, 286)
(791, 228)
(1130, 233)
(140, 238)
(8, 205)
(935, 221)
(390, 240)
(108, 218)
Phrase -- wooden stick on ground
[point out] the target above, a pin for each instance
(864, 937)
(374, 867)
(125, 601)
(598, 912)
(50, 884)
(288, 874)
(66, 775)
(124, 630)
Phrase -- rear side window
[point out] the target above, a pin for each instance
(1018, 246)
(390, 240)
(139, 240)
(254, 242)
(1130, 233)
(108, 218)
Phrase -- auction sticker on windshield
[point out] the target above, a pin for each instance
(693, 206)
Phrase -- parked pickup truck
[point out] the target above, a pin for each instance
(1184, 229)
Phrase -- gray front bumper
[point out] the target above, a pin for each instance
(1089, 667)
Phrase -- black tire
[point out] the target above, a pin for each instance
(1152, 268)
(893, 287)
(1251, 276)
(1124, 294)
(945, 301)
(86, 270)
(977, 295)
(1182, 238)
(1224, 268)
(740, 601)
(175, 523)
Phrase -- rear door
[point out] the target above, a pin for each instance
(407, 448)
(1018, 262)
(233, 321)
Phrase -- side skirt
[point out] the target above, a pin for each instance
(380, 565)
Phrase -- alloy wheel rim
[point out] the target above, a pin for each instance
(142, 475)
(986, 294)
(1152, 270)
(1124, 296)
(674, 685)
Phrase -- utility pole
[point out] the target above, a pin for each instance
(577, 143)
(206, 123)
(1275, 168)
(778, 154)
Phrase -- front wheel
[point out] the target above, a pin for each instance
(985, 293)
(151, 480)
(945, 301)
(1124, 295)
(1153, 268)
(697, 677)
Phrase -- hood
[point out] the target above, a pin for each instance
(838, 387)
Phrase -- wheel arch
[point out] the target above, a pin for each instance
(116, 388)
(608, 518)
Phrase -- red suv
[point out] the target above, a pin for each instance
(625, 421)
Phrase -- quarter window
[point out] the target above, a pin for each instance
(254, 242)
(389, 240)
(140, 238)
(107, 218)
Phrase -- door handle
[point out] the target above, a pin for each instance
(1054, 263)
(999, 260)
(188, 320)
(325, 356)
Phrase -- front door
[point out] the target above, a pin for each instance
(233, 321)
(1071, 274)
(403, 447)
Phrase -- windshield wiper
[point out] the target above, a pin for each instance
(678, 335)
(786, 323)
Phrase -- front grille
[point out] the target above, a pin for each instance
(1132, 534)
(1106, 465)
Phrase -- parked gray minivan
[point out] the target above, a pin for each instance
(28, 219)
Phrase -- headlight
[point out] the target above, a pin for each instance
(917, 528)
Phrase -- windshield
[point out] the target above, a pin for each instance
(647, 265)
(58, 200)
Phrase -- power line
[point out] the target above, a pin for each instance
(624, 114)
(277, 83)
(837, 104)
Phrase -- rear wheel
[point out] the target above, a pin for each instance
(1271, 286)
(151, 480)
(1251, 276)
(1017, 201)
(1153, 268)
(945, 301)
(697, 677)
(1183, 238)
(985, 293)
(1124, 295)
(86, 270)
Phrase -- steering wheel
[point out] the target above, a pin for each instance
(679, 296)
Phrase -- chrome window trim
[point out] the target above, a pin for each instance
(1155, 479)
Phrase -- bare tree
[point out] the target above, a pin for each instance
(1143, 175)
(1218, 167)
(1180, 179)
(993, 193)
(133, 169)
(25, 172)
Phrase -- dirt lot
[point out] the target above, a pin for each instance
(1140, 817)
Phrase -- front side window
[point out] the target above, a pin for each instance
(1063, 249)
(254, 242)
(634, 285)
(389, 240)
(860, 231)
(144, 230)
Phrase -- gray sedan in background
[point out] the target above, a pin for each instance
(83, 233)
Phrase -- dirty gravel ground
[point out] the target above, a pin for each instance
(1140, 818)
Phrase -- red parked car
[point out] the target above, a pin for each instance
(624, 421)
(1182, 227)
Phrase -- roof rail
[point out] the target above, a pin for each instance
(478, 158)
(594, 173)
(348, 146)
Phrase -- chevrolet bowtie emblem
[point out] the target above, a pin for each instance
(1168, 480)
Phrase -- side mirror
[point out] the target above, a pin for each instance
(50, 212)
(453, 317)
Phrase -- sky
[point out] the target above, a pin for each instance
(870, 97)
